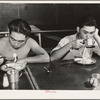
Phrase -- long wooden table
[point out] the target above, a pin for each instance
(63, 75)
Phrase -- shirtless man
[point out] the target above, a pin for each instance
(20, 43)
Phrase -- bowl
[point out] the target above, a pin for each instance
(16, 66)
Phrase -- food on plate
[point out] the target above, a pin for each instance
(77, 59)
(17, 66)
(85, 60)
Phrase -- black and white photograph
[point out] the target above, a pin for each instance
(50, 48)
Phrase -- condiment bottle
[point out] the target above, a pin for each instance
(5, 81)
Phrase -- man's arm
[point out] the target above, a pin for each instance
(58, 54)
(61, 52)
(41, 54)
(97, 37)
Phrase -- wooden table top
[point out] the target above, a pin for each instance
(22, 84)
(63, 75)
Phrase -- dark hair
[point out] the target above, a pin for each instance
(87, 21)
(20, 26)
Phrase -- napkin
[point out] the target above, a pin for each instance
(85, 53)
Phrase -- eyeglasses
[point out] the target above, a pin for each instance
(20, 41)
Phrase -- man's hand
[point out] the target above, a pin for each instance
(95, 34)
(21, 63)
(76, 44)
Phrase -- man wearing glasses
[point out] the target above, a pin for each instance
(20, 43)
(73, 46)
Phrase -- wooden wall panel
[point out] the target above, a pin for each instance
(88, 9)
(65, 15)
(38, 14)
(7, 13)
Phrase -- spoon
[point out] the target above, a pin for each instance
(47, 70)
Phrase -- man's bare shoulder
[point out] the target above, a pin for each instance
(32, 44)
(32, 41)
(3, 39)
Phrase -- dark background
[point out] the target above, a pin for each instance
(48, 15)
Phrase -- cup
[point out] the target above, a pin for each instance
(89, 42)
(13, 75)
(95, 80)
(96, 75)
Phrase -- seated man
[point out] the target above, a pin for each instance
(20, 43)
(73, 46)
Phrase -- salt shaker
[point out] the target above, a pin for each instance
(5, 81)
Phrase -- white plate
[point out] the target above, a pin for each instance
(85, 61)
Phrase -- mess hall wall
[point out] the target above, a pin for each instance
(53, 15)
(48, 16)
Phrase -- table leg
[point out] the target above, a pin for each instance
(39, 36)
